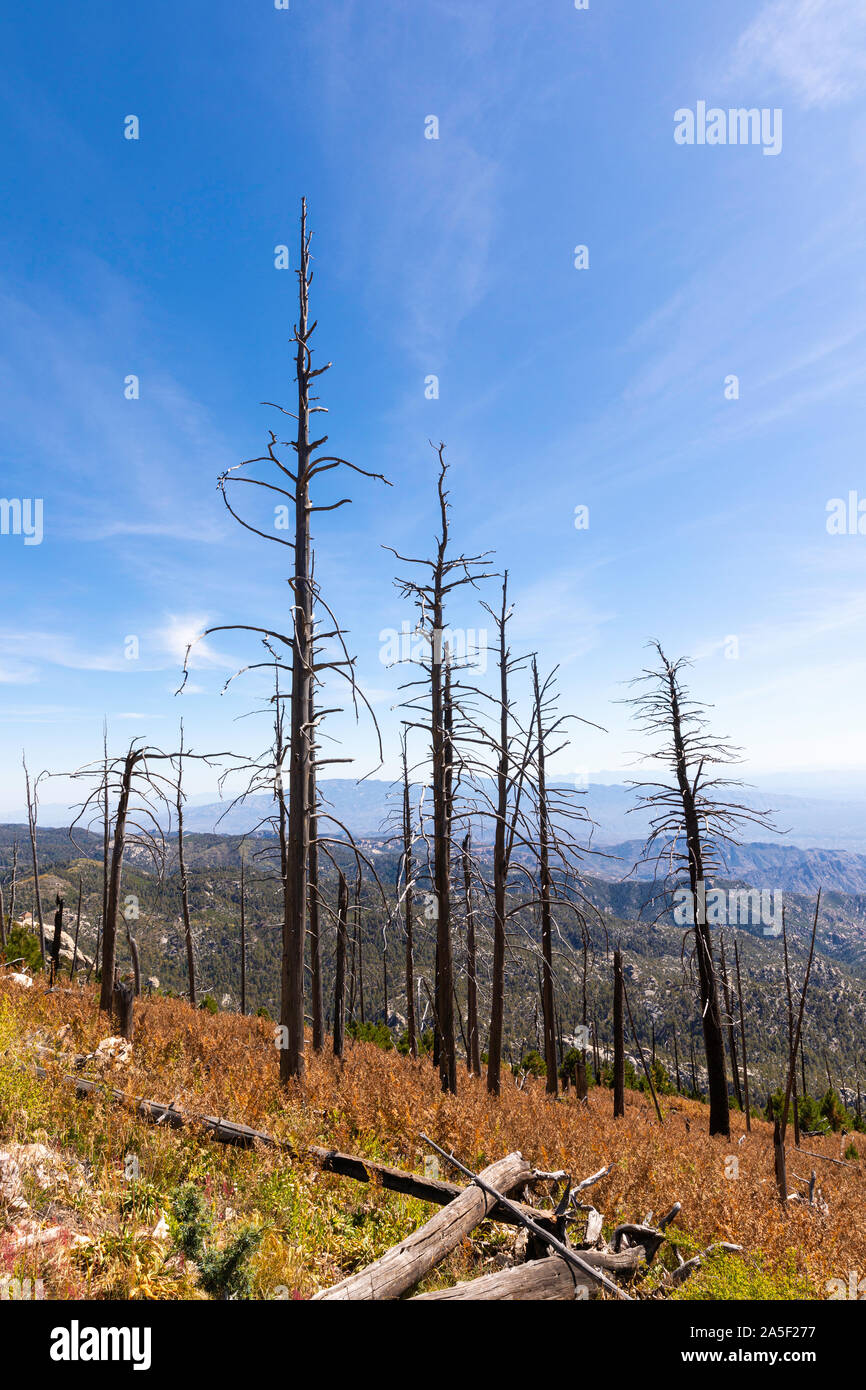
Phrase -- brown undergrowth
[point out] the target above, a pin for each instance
(121, 1172)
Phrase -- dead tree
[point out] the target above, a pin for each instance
(618, 1037)
(743, 1040)
(32, 811)
(792, 1056)
(473, 1041)
(74, 961)
(316, 997)
(184, 883)
(545, 887)
(729, 1021)
(340, 970)
(792, 1063)
(13, 886)
(407, 869)
(429, 593)
(299, 645)
(109, 926)
(243, 936)
(143, 798)
(123, 1008)
(55, 943)
(690, 827)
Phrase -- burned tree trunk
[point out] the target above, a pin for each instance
(729, 1013)
(243, 939)
(473, 1041)
(500, 865)
(545, 887)
(792, 1055)
(316, 996)
(184, 884)
(300, 735)
(123, 1004)
(109, 929)
(408, 871)
(55, 943)
(31, 822)
(618, 1037)
(340, 970)
(77, 930)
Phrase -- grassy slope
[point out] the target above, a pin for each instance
(318, 1226)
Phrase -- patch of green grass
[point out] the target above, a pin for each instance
(725, 1277)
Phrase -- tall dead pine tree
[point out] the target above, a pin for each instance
(618, 1036)
(690, 826)
(430, 594)
(299, 645)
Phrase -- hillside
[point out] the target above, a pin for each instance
(106, 1182)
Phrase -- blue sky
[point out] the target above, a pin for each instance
(558, 387)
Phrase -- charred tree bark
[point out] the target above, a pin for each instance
(316, 1000)
(123, 1006)
(340, 969)
(618, 1037)
(184, 884)
(408, 871)
(55, 942)
(714, 1046)
(500, 868)
(31, 822)
(109, 930)
(77, 930)
(729, 1012)
(300, 735)
(546, 887)
(243, 939)
(473, 1041)
(792, 1055)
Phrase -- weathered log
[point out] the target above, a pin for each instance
(550, 1278)
(406, 1264)
(330, 1160)
(552, 1241)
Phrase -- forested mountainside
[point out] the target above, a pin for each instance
(608, 914)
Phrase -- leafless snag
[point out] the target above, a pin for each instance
(681, 806)
(184, 883)
(743, 1041)
(32, 811)
(294, 484)
(429, 595)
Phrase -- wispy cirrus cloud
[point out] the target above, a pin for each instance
(817, 47)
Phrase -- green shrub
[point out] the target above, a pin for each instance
(533, 1062)
(222, 1273)
(378, 1033)
(210, 1004)
(834, 1111)
(24, 944)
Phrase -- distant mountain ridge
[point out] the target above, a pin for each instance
(367, 807)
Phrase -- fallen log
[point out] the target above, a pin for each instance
(329, 1160)
(544, 1280)
(553, 1241)
(406, 1264)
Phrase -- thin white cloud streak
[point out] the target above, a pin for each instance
(817, 48)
